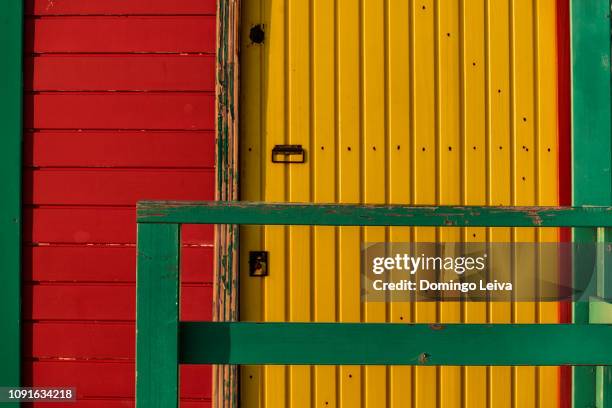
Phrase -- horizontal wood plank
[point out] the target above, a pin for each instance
(395, 344)
(119, 403)
(121, 7)
(113, 379)
(105, 263)
(110, 110)
(258, 213)
(73, 340)
(101, 225)
(104, 72)
(105, 302)
(165, 34)
(156, 149)
(115, 187)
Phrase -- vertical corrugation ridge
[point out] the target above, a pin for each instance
(387, 153)
(437, 147)
(488, 167)
(313, 179)
(512, 173)
(287, 179)
(463, 173)
(337, 304)
(287, 138)
(412, 147)
(263, 142)
(361, 167)
(536, 122)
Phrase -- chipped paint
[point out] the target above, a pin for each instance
(257, 213)
(225, 387)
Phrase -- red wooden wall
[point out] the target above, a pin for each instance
(119, 106)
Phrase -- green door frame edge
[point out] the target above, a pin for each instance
(591, 154)
(11, 124)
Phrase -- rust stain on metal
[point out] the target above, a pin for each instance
(437, 326)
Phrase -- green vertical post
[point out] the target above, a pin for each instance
(591, 147)
(11, 27)
(157, 316)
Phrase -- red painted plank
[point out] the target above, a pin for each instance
(104, 263)
(116, 187)
(80, 7)
(120, 34)
(96, 226)
(86, 403)
(116, 403)
(112, 379)
(186, 149)
(110, 110)
(105, 302)
(121, 72)
(179, 149)
(61, 340)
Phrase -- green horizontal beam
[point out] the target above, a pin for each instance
(394, 344)
(252, 213)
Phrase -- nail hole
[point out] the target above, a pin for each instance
(424, 7)
(450, 148)
(499, 91)
(448, 34)
(398, 147)
(474, 235)
(250, 148)
(474, 64)
(523, 178)
(423, 149)
(348, 148)
(524, 119)
(257, 35)
(350, 375)
(374, 148)
(322, 147)
(474, 147)
(500, 147)
(250, 377)
(548, 149)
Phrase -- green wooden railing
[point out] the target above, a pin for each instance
(162, 342)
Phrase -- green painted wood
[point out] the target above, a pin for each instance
(591, 145)
(602, 311)
(157, 314)
(394, 344)
(253, 213)
(11, 27)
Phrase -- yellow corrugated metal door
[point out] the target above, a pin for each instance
(395, 101)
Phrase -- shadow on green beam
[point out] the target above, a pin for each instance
(395, 344)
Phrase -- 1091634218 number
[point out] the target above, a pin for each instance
(33, 394)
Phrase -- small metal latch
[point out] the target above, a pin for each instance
(288, 154)
(258, 263)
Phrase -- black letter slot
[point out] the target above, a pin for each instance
(288, 154)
